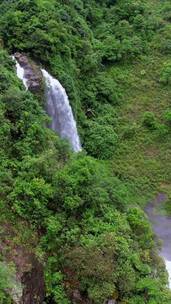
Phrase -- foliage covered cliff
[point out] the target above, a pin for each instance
(84, 210)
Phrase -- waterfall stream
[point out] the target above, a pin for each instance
(57, 106)
(60, 111)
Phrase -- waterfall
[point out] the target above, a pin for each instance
(60, 111)
(57, 106)
(20, 73)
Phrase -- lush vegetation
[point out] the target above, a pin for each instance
(113, 59)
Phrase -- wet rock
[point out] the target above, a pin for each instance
(33, 85)
(34, 285)
(77, 296)
(28, 72)
(22, 59)
(32, 73)
(111, 302)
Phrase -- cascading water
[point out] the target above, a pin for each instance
(20, 73)
(60, 111)
(57, 106)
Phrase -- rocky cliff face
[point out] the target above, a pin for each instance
(27, 282)
(32, 73)
(33, 283)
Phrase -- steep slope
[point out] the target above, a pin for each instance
(90, 232)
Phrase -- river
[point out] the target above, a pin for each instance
(162, 227)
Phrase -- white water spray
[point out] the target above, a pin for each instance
(168, 267)
(20, 73)
(60, 111)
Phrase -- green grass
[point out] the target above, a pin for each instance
(143, 159)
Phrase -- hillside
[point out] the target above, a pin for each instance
(73, 229)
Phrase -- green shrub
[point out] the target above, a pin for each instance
(165, 75)
(149, 120)
(7, 282)
(162, 131)
(167, 117)
(166, 10)
(101, 140)
(165, 39)
(129, 132)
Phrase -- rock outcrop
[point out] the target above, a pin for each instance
(27, 285)
(32, 73)
(33, 283)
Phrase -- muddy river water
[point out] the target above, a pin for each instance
(162, 227)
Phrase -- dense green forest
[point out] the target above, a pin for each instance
(81, 214)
